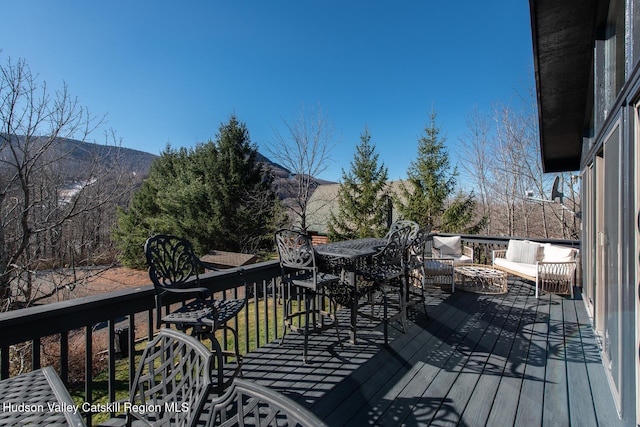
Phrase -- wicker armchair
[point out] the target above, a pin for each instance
(174, 270)
(250, 404)
(451, 247)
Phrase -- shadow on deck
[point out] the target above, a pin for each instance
(476, 360)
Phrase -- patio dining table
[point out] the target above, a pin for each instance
(348, 254)
(37, 398)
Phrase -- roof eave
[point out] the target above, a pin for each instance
(563, 36)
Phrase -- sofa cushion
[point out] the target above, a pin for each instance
(459, 259)
(451, 246)
(553, 253)
(522, 268)
(523, 251)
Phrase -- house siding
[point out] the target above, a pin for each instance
(609, 166)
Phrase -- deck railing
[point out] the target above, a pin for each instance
(128, 315)
(65, 324)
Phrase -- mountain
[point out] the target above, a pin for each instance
(282, 182)
(75, 156)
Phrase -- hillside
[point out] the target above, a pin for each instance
(75, 156)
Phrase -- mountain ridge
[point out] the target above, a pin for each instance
(74, 155)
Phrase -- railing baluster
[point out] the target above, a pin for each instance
(274, 292)
(132, 348)
(88, 368)
(150, 320)
(256, 317)
(112, 361)
(4, 363)
(64, 357)
(265, 308)
(35, 354)
(245, 314)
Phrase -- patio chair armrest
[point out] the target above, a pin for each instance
(247, 398)
(432, 264)
(468, 251)
(565, 268)
(200, 290)
(498, 253)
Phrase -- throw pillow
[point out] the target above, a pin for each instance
(558, 254)
(451, 246)
(523, 251)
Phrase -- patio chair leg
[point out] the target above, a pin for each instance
(217, 351)
(403, 310)
(307, 307)
(236, 349)
(285, 313)
(335, 321)
(385, 322)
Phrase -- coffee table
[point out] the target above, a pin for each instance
(481, 279)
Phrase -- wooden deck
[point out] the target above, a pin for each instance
(476, 360)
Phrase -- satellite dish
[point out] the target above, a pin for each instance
(554, 190)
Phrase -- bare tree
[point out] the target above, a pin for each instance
(304, 149)
(45, 208)
(503, 163)
(475, 146)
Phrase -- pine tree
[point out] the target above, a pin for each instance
(363, 196)
(243, 203)
(217, 195)
(431, 183)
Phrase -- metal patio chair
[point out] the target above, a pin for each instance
(414, 266)
(410, 228)
(172, 385)
(175, 270)
(303, 282)
(250, 404)
(387, 274)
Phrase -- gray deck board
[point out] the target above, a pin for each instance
(432, 363)
(481, 402)
(581, 408)
(603, 402)
(556, 405)
(505, 403)
(532, 391)
(476, 360)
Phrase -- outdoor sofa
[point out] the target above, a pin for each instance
(552, 268)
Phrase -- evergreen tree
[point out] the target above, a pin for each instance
(243, 204)
(431, 183)
(363, 196)
(217, 195)
(460, 216)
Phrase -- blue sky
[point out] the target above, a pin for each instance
(172, 71)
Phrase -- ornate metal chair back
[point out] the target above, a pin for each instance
(171, 260)
(393, 252)
(412, 226)
(173, 380)
(417, 248)
(295, 250)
